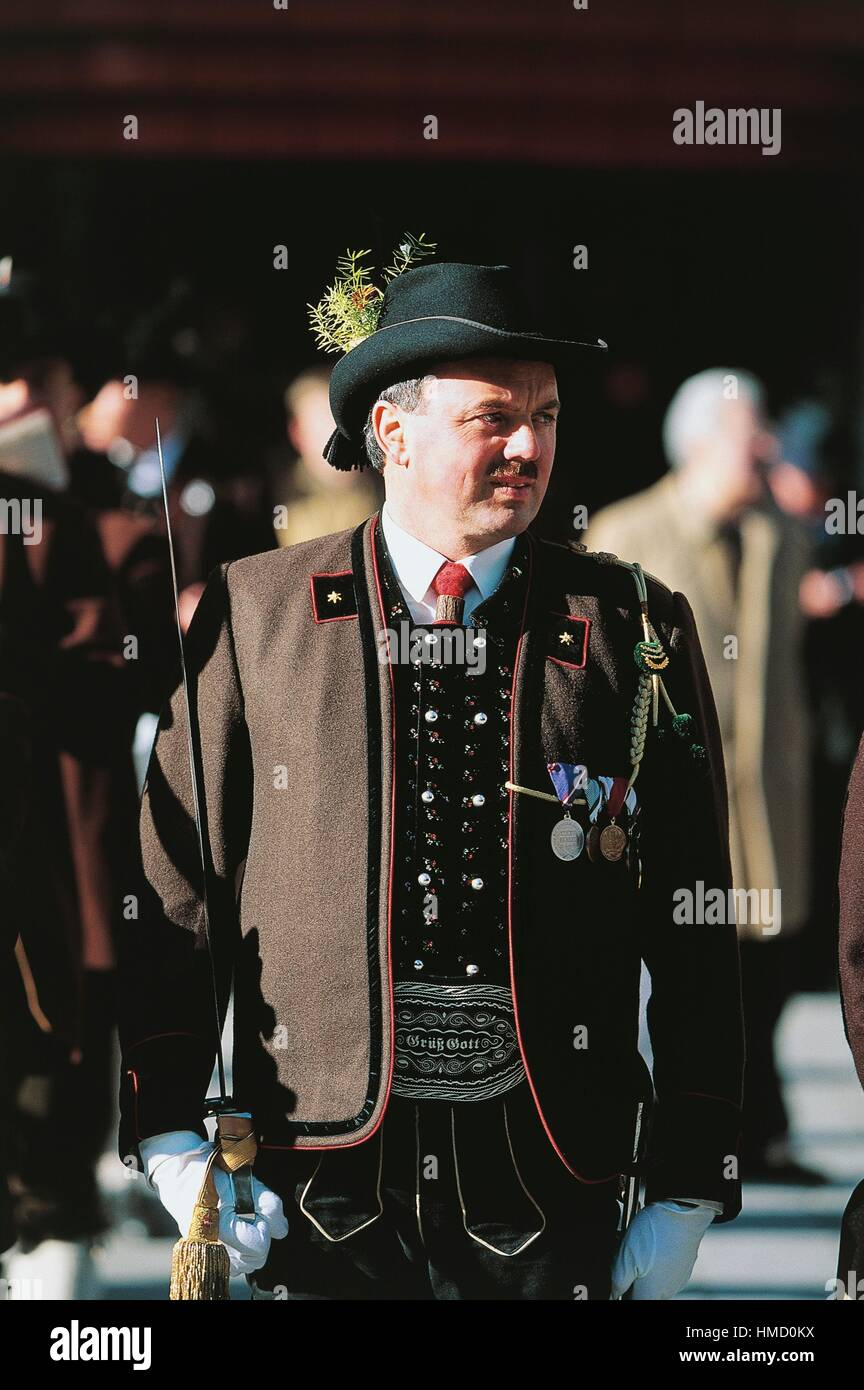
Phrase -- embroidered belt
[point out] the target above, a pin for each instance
(454, 1042)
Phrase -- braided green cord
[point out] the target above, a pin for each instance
(651, 658)
(639, 719)
(639, 578)
(644, 653)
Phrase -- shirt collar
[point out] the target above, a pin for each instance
(416, 563)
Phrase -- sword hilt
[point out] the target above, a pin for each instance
(238, 1146)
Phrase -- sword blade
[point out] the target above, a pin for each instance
(196, 771)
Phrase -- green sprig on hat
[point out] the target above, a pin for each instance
(350, 308)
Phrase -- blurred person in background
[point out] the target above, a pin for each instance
(16, 755)
(712, 529)
(219, 508)
(816, 467)
(850, 953)
(40, 401)
(62, 636)
(316, 498)
(819, 455)
(38, 975)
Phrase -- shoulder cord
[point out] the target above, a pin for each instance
(651, 659)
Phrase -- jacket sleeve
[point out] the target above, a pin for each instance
(694, 1013)
(168, 1011)
(851, 911)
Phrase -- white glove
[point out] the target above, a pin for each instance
(659, 1249)
(175, 1164)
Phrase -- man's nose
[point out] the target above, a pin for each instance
(522, 444)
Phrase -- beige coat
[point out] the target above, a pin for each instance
(759, 692)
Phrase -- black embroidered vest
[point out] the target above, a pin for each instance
(454, 1026)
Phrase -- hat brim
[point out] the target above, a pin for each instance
(403, 350)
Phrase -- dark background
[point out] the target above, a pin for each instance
(303, 127)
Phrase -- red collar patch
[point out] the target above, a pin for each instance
(567, 639)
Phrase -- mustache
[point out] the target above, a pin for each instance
(509, 470)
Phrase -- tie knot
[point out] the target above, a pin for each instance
(452, 579)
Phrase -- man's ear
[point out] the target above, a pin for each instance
(389, 431)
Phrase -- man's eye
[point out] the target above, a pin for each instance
(495, 417)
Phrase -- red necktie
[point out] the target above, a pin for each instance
(451, 583)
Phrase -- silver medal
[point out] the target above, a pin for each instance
(568, 838)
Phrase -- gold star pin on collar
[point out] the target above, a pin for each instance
(333, 596)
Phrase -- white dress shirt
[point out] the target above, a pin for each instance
(416, 565)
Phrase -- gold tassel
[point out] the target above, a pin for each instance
(199, 1262)
(200, 1269)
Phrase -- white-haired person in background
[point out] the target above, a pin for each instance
(711, 529)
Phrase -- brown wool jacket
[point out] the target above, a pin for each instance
(295, 717)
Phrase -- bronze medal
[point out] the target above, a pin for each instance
(613, 842)
(568, 838)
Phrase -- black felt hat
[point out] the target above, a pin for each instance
(436, 313)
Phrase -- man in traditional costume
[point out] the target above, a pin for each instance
(452, 776)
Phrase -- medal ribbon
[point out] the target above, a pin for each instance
(567, 779)
(617, 793)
